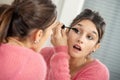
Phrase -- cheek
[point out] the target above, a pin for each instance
(71, 38)
(89, 47)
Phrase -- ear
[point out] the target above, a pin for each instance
(97, 46)
(38, 35)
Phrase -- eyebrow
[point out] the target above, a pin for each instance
(92, 31)
(79, 24)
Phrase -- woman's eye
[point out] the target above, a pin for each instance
(90, 37)
(75, 30)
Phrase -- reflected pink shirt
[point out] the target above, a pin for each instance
(57, 60)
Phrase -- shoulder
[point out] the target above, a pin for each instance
(95, 70)
(97, 64)
(21, 59)
(17, 53)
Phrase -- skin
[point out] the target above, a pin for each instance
(86, 39)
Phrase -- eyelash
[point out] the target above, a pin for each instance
(77, 31)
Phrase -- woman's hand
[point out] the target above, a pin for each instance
(59, 36)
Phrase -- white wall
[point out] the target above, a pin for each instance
(68, 9)
(5, 1)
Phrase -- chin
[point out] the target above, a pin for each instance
(73, 55)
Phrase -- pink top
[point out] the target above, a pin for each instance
(19, 63)
(58, 66)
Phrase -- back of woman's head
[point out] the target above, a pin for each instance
(95, 18)
(24, 16)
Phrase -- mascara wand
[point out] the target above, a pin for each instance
(63, 27)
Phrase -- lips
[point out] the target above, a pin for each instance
(77, 47)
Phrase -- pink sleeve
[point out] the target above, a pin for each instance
(57, 59)
(59, 64)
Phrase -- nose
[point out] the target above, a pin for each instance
(80, 39)
(80, 42)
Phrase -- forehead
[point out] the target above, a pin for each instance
(87, 25)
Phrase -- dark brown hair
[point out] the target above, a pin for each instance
(95, 18)
(25, 15)
(3, 7)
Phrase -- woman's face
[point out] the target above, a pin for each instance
(82, 39)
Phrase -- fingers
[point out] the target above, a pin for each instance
(56, 33)
(59, 36)
(58, 30)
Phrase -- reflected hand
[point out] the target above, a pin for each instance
(59, 36)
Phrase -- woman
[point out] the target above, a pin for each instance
(71, 59)
(24, 28)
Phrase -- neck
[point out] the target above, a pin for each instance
(77, 63)
(74, 63)
(15, 41)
